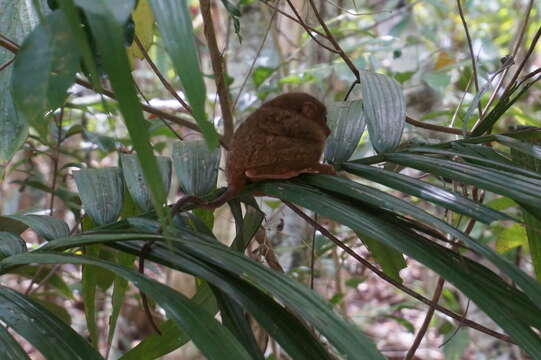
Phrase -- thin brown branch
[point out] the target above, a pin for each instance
(333, 41)
(516, 46)
(308, 29)
(6, 64)
(144, 252)
(472, 55)
(428, 317)
(523, 63)
(160, 76)
(218, 67)
(55, 158)
(245, 81)
(305, 26)
(392, 281)
(438, 128)
(14, 48)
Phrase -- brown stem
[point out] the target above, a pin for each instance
(428, 317)
(218, 67)
(144, 252)
(6, 64)
(393, 282)
(523, 63)
(516, 46)
(55, 159)
(14, 48)
(304, 25)
(308, 29)
(443, 129)
(333, 41)
(472, 55)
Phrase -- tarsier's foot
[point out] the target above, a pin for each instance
(184, 202)
(259, 174)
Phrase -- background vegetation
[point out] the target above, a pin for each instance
(427, 245)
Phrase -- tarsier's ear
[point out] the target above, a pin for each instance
(309, 109)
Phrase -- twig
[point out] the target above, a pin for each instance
(55, 158)
(160, 76)
(255, 58)
(522, 64)
(7, 63)
(14, 48)
(306, 26)
(218, 66)
(308, 29)
(333, 41)
(442, 129)
(428, 317)
(472, 55)
(516, 46)
(144, 252)
(392, 281)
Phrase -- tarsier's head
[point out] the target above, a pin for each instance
(304, 104)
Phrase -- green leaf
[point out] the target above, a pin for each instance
(47, 227)
(11, 244)
(423, 190)
(106, 21)
(119, 291)
(45, 68)
(304, 302)
(53, 280)
(214, 341)
(175, 25)
(90, 285)
(154, 345)
(9, 347)
(529, 156)
(101, 193)
(234, 318)
(517, 187)
(196, 167)
(378, 199)
(17, 19)
(262, 73)
(384, 110)
(347, 123)
(390, 260)
(50, 335)
(486, 289)
(135, 181)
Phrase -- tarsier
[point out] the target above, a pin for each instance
(281, 139)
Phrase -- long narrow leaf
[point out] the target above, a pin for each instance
(50, 335)
(517, 187)
(345, 337)
(421, 189)
(215, 341)
(485, 288)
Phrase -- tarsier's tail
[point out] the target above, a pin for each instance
(185, 201)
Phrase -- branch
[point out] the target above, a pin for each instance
(428, 317)
(472, 55)
(160, 76)
(393, 282)
(516, 46)
(218, 66)
(443, 129)
(333, 41)
(14, 48)
(308, 29)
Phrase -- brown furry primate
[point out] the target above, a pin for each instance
(282, 139)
